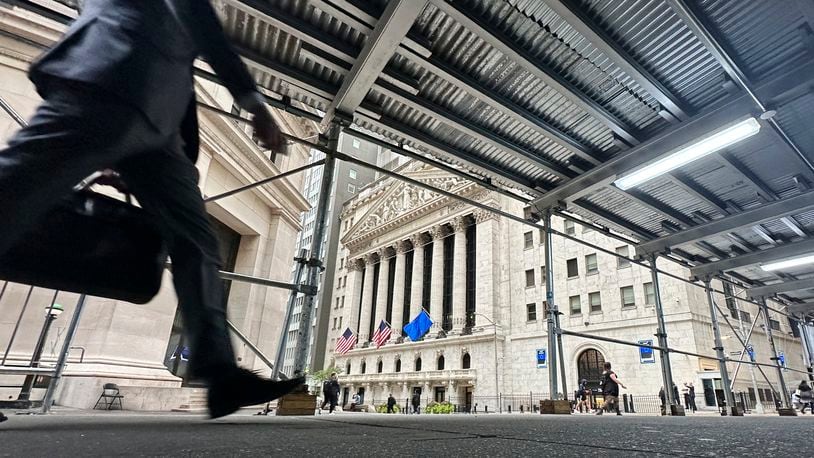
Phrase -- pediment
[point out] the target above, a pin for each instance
(400, 202)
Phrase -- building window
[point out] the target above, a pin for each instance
(466, 361)
(591, 266)
(334, 328)
(418, 364)
(379, 367)
(440, 365)
(471, 283)
(531, 312)
(398, 365)
(356, 143)
(729, 294)
(364, 367)
(427, 274)
(595, 302)
(623, 262)
(575, 305)
(528, 240)
(649, 294)
(352, 174)
(745, 316)
(341, 263)
(530, 278)
(340, 322)
(572, 268)
(347, 368)
(569, 228)
(774, 324)
(542, 275)
(628, 300)
(351, 188)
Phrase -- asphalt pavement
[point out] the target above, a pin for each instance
(82, 434)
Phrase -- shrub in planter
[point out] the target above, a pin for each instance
(440, 408)
(383, 408)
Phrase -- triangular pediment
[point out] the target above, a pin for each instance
(399, 201)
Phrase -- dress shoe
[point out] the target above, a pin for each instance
(240, 387)
(3, 417)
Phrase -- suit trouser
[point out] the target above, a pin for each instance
(78, 130)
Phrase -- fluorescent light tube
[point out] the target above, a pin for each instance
(788, 263)
(687, 154)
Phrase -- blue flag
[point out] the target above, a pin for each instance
(419, 326)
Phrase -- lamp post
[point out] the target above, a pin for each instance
(494, 325)
(51, 313)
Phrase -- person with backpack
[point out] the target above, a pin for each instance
(610, 390)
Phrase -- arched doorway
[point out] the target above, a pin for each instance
(589, 367)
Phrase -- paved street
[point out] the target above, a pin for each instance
(131, 434)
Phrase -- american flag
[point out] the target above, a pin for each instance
(382, 334)
(346, 342)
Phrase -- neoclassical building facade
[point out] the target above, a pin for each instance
(481, 279)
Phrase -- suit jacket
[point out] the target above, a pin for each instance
(142, 51)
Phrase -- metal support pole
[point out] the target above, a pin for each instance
(264, 181)
(562, 358)
(807, 347)
(315, 263)
(249, 344)
(28, 384)
(289, 313)
(63, 355)
(784, 392)
(552, 307)
(16, 326)
(744, 340)
(719, 350)
(664, 354)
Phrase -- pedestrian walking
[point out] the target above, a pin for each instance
(416, 401)
(691, 396)
(685, 393)
(610, 384)
(391, 403)
(806, 397)
(117, 94)
(583, 397)
(663, 399)
(330, 393)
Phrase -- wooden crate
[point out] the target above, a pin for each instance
(297, 404)
(561, 407)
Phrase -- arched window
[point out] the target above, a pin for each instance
(466, 362)
(589, 367)
(347, 368)
(364, 366)
(398, 365)
(379, 367)
(418, 364)
(440, 363)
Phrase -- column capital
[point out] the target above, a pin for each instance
(460, 224)
(481, 216)
(385, 252)
(355, 265)
(438, 232)
(403, 246)
(372, 258)
(418, 240)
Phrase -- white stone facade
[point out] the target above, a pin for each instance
(127, 344)
(390, 215)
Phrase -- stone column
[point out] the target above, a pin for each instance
(366, 310)
(437, 278)
(353, 292)
(381, 294)
(398, 285)
(459, 276)
(417, 288)
(486, 266)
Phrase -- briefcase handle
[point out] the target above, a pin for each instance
(107, 177)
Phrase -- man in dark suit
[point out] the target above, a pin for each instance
(117, 89)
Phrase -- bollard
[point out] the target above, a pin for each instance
(521, 408)
(510, 408)
(632, 409)
(486, 409)
(500, 402)
(625, 404)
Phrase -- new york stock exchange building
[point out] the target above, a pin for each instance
(481, 279)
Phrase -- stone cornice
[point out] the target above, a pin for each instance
(425, 345)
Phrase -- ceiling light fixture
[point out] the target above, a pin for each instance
(788, 263)
(690, 153)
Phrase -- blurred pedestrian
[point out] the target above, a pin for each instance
(330, 391)
(691, 396)
(610, 390)
(583, 397)
(663, 399)
(391, 403)
(355, 401)
(416, 401)
(806, 397)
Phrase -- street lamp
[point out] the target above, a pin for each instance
(51, 313)
(494, 325)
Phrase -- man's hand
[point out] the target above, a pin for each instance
(267, 130)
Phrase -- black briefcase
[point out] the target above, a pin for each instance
(91, 244)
